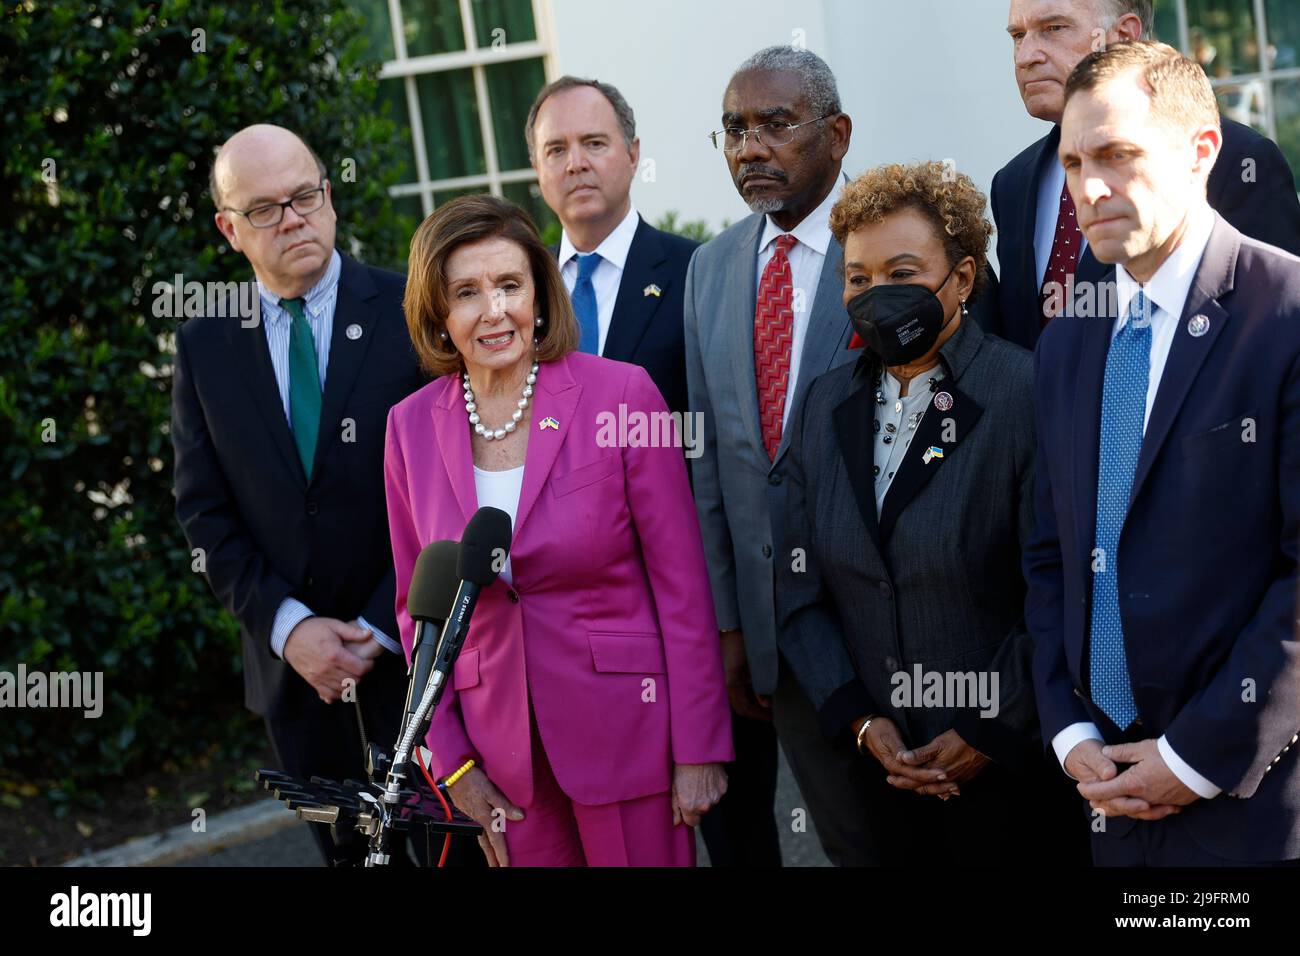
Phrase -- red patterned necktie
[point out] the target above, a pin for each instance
(1066, 243)
(773, 335)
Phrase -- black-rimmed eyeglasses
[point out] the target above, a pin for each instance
(272, 213)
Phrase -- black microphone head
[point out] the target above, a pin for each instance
(484, 547)
(434, 582)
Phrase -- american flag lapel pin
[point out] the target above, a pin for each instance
(931, 453)
(653, 290)
(548, 422)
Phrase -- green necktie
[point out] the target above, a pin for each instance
(304, 384)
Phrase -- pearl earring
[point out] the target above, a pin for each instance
(538, 321)
(442, 335)
(963, 308)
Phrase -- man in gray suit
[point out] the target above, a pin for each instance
(764, 318)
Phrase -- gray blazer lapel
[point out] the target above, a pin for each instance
(827, 335)
(740, 289)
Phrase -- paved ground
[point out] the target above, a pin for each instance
(294, 846)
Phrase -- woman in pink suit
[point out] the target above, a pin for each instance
(590, 692)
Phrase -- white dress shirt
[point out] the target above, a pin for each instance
(1047, 216)
(813, 238)
(609, 271)
(1167, 294)
(500, 489)
(320, 301)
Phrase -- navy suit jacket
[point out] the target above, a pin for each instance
(242, 494)
(1207, 556)
(1265, 209)
(647, 329)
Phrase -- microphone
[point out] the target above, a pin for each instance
(483, 551)
(428, 602)
(480, 558)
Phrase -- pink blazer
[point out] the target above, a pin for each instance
(609, 625)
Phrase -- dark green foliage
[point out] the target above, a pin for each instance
(113, 103)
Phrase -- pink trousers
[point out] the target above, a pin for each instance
(557, 831)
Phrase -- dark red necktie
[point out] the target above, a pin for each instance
(773, 335)
(1067, 241)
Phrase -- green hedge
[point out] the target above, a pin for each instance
(118, 107)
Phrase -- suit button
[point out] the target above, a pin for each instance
(767, 550)
(891, 664)
(312, 508)
(774, 478)
(884, 588)
(311, 582)
(513, 595)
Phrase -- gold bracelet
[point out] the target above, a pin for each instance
(464, 769)
(862, 730)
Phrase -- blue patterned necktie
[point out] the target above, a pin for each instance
(304, 383)
(584, 304)
(1123, 409)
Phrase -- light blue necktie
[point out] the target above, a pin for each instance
(584, 304)
(1123, 408)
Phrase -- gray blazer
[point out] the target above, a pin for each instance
(739, 492)
(934, 581)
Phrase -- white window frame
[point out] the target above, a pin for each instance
(1265, 75)
(477, 59)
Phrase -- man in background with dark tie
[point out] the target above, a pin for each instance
(278, 430)
(1044, 261)
(625, 277)
(1162, 570)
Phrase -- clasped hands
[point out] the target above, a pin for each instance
(937, 769)
(1146, 790)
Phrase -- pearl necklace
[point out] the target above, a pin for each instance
(498, 433)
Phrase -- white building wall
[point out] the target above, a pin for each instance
(922, 79)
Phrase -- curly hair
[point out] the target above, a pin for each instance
(948, 199)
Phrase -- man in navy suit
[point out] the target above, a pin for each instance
(1038, 240)
(626, 279)
(278, 430)
(625, 276)
(1162, 572)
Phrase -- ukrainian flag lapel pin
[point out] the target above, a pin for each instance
(934, 451)
(653, 290)
(548, 422)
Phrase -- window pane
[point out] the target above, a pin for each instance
(378, 31)
(432, 26)
(1222, 36)
(513, 18)
(1166, 27)
(392, 100)
(529, 196)
(1244, 102)
(1286, 112)
(444, 195)
(512, 87)
(1283, 19)
(450, 119)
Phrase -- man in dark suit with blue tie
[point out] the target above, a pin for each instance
(1039, 243)
(624, 275)
(1162, 572)
(627, 279)
(278, 430)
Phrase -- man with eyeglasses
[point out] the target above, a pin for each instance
(764, 318)
(278, 429)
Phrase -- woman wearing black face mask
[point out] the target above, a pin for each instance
(910, 482)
